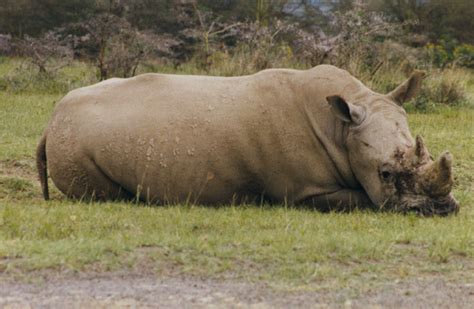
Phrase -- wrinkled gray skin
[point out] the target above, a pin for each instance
(317, 137)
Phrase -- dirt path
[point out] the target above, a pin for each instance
(139, 291)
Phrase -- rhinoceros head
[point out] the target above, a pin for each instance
(396, 171)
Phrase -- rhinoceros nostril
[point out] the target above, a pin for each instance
(444, 206)
(428, 206)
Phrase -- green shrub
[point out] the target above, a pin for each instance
(449, 53)
(446, 87)
(464, 55)
(437, 55)
(441, 87)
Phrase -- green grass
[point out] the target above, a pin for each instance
(275, 244)
(279, 245)
(23, 118)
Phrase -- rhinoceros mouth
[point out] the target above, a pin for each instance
(427, 206)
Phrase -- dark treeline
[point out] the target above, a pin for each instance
(437, 19)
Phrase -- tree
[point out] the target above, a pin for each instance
(112, 43)
(49, 53)
(34, 17)
(438, 19)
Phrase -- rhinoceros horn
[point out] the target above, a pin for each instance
(438, 176)
(421, 152)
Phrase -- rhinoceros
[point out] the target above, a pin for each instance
(315, 137)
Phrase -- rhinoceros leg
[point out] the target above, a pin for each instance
(83, 179)
(342, 200)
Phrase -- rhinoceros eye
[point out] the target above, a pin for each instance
(385, 173)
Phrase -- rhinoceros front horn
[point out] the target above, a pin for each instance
(439, 177)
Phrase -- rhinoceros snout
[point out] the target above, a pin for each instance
(428, 206)
(442, 207)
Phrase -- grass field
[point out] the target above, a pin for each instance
(286, 247)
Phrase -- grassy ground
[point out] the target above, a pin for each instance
(286, 247)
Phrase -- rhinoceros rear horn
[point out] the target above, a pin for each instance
(421, 151)
(408, 89)
(439, 176)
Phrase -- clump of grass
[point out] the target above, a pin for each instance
(446, 87)
(242, 61)
(383, 80)
(25, 78)
(449, 86)
(16, 188)
(21, 82)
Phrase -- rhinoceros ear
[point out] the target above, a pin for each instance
(346, 111)
(408, 89)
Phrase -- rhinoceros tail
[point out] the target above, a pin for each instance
(41, 165)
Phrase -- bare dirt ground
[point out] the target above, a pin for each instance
(125, 290)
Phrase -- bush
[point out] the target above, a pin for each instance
(464, 55)
(48, 53)
(437, 55)
(450, 53)
(6, 47)
(112, 44)
(441, 86)
(445, 87)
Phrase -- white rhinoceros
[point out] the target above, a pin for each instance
(317, 137)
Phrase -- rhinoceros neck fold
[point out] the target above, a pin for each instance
(335, 151)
